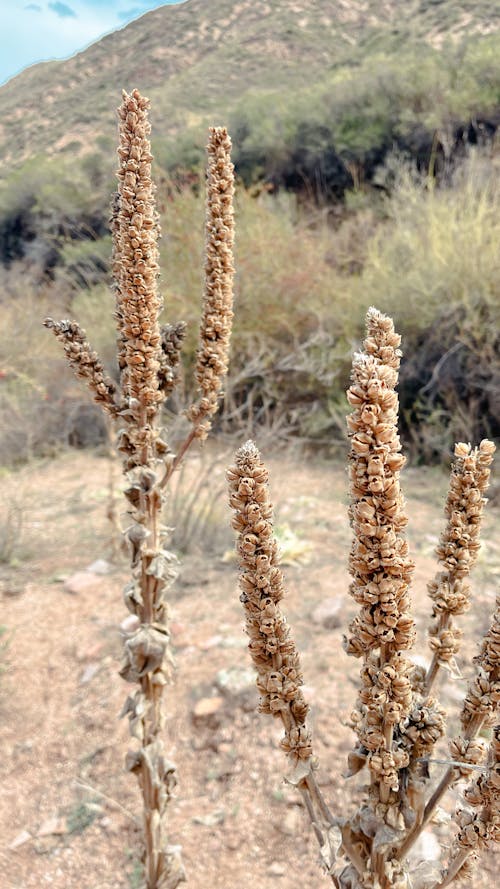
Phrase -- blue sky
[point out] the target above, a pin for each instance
(36, 30)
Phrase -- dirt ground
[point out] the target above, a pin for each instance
(67, 808)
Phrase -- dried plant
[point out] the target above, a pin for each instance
(396, 720)
(148, 358)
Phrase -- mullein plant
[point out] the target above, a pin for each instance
(148, 359)
(397, 720)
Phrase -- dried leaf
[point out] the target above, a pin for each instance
(349, 879)
(355, 762)
(161, 566)
(144, 652)
(299, 772)
(174, 872)
(386, 836)
(425, 875)
(330, 848)
(452, 667)
(132, 597)
(368, 821)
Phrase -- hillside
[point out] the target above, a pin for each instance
(201, 59)
(340, 114)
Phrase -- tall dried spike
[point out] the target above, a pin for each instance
(381, 571)
(215, 331)
(86, 363)
(273, 651)
(457, 552)
(136, 268)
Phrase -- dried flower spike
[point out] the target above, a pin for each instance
(457, 552)
(148, 360)
(273, 651)
(396, 721)
(136, 266)
(86, 363)
(381, 571)
(215, 330)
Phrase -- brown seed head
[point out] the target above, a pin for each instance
(215, 330)
(272, 649)
(135, 231)
(86, 363)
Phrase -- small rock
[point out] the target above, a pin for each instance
(212, 819)
(89, 673)
(328, 613)
(207, 707)
(233, 841)
(276, 869)
(100, 566)
(21, 838)
(193, 575)
(11, 588)
(238, 684)
(212, 642)
(290, 823)
(53, 826)
(80, 583)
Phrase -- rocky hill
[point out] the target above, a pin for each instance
(201, 59)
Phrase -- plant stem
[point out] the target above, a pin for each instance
(169, 471)
(449, 776)
(453, 868)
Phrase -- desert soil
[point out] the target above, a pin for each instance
(68, 811)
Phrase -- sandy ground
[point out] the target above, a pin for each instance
(67, 808)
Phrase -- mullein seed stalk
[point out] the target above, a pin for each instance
(396, 719)
(148, 359)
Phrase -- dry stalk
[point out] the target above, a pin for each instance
(396, 721)
(148, 358)
(479, 711)
(273, 651)
(457, 553)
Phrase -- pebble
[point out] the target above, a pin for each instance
(80, 583)
(290, 823)
(328, 613)
(100, 566)
(233, 680)
(89, 673)
(21, 838)
(276, 869)
(206, 707)
(52, 826)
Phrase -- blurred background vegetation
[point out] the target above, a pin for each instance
(372, 180)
